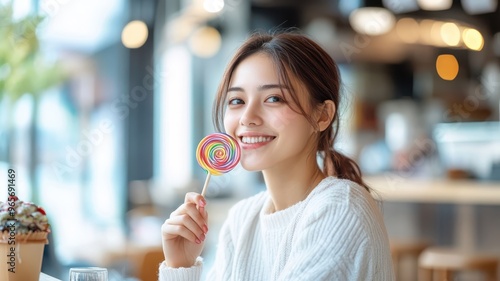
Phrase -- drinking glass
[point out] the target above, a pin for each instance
(88, 274)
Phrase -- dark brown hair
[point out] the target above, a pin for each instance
(297, 56)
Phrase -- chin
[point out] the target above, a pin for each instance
(251, 167)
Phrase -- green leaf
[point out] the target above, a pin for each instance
(23, 68)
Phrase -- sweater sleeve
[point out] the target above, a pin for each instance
(188, 274)
(222, 264)
(339, 243)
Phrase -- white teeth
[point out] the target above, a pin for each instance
(256, 139)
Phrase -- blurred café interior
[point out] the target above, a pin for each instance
(102, 105)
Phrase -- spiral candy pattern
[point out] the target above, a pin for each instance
(218, 153)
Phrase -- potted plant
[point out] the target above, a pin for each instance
(24, 228)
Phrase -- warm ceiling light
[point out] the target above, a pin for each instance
(134, 34)
(447, 67)
(436, 37)
(213, 6)
(205, 42)
(473, 39)
(450, 33)
(372, 20)
(435, 5)
(426, 32)
(407, 30)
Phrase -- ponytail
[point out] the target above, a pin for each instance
(337, 164)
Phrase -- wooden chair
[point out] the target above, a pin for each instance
(148, 262)
(406, 249)
(446, 261)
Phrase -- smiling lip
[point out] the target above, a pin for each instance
(254, 141)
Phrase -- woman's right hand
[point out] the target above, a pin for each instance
(183, 234)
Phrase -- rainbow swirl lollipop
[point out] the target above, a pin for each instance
(217, 153)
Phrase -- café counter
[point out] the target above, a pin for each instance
(464, 193)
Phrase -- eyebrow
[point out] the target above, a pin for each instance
(260, 88)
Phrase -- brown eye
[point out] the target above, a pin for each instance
(235, 101)
(274, 99)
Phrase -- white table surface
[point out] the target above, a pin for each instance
(464, 193)
(395, 188)
(45, 277)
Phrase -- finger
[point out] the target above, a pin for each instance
(196, 198)
(189, 223)
(172, 231)
(184, 226)
(198, 216)
(204, 214)
(201, 202)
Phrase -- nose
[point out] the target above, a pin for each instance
(251, 115)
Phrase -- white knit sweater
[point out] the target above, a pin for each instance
(336, 233)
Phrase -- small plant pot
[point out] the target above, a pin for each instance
(22, 261)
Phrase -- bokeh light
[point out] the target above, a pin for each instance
(450, 33)
(205, 42)
(134, 34)
(447, 67)
(473, 39)
(408, 30)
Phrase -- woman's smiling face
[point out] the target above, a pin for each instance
(261, 115)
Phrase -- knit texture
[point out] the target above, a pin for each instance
(336, 233)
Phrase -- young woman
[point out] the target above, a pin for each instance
(279, 98)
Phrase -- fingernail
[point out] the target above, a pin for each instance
(202, 203)
(205, 229)
(203, 238)
(197, 241)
